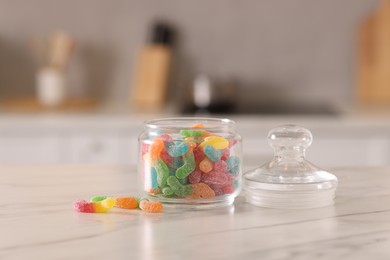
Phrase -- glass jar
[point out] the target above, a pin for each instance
(190, 162)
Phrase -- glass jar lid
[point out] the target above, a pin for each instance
(289, 180)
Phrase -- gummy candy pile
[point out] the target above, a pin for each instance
(101, 204)
(190, 163)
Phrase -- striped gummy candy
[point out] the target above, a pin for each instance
(176, 148)
(94, 206)
(212, 153)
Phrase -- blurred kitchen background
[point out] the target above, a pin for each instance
(64, 63)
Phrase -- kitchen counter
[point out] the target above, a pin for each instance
(38, 222)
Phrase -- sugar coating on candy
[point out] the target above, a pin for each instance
(151, 207)
(200, 125)
(216, 142)
(83, 206)
(98, 198)
(188, 167)
(233, 165)
(216, 178)
(165, 138)
(198, 154)
(167, 191)
(164, 155)
(126, 202)
(220, 166)
(212, 153)
(176, 148)
(103, 205)
(191, 133)
(178, 188)
(228, 189)
(153, 178)
(206, 165)
(225, 154)
(195, 176)
(201, 191)
(162, 173)
(155, 149)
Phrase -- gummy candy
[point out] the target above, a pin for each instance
(126, 202)
(188, 167)
(191, 163)
(178, 188)
(98, 198)
(191, 133)
(215, 178)
(94, 206)
(201, 191)
(233, 165)
(150, 206)
(195, 176)
(215, 141)
(155, 149)
(162, 173)
(176, 148)
(212, 153)
(206, 165)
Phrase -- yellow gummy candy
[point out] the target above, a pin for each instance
(103, 205)
(216, 142)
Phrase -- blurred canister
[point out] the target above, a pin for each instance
(190, 162)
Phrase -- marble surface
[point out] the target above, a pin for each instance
(37, 221)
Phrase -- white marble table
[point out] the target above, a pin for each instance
(37, 221)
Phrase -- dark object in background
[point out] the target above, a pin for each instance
(207, 96)
(152, 70)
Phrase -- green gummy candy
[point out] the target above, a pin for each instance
(191, 133)
(167, 191)
(98, 198)
(162, 173)
(188, 167)
(177, 187)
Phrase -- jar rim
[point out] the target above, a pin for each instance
(188, 122)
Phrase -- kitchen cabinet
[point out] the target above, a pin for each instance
(101, 139)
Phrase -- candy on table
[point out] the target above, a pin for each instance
(201, 191)
(206, 165)
(212, 153)
(94, 206)
(150, 206)
(126, 202)
(215, 141)
(162, 173)
(195, 176)
(98, 198)
(176, 148)
(233, 165)
(178, 188)
(188, 167)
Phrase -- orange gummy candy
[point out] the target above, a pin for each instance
(155, 149)
(201, 191)
(206, 165)
(150, 206)
(126, 203)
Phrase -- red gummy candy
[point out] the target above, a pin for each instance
(83, 206)
(225, 154)
(214, 177)
(228, 189)
(166, 157)
(195, 176)
(165, 137)
(220, 166)
(198, 154)
(217, 189)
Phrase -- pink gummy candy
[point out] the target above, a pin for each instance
(198, 154)
(195, 176)
(217, 189)
(220, 166)
(225, 154)
(166, 137)
(215, 177)
(83, 206)
(228, 189)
